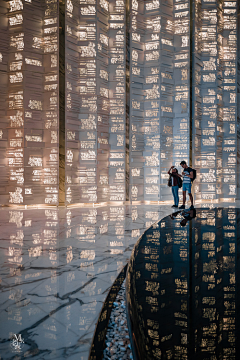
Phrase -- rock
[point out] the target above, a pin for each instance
(113, 350)
(117, 338)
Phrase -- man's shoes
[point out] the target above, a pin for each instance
(191, 207)
(182, 207)
(174, 206)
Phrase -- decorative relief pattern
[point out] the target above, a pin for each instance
(95, 114)
(214, 99)
(159, 88)
(29, 105)
(127, 99)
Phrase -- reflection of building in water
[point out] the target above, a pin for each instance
(214, 283)
(182, 287)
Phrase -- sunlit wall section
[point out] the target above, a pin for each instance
(214, 99)
(29, 114)
(156, 139)
(103, 76)
(196, 94)
(51, 63)
(152, 105)
(15, 105)
(181, 75)
(73, 99)
(87, 99)
(15, 153)
(158, 104)
(117, 100)
(4, 197)
(31, 146)
(229, 128)
(208, 98)
(167, 84)
(136, 138)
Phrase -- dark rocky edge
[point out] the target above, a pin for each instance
(117, 338)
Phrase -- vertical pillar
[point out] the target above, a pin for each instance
(81, 98)
(103, 76)
(62, 100)
(215, 99)
(87, 77)
(166, 89)
(154, 106)
(4, 43)
(196, 95)
(51, 77)
(159, 90)
(117, 100)
(136, 138)
(30, 166)
(182, 86)
(228, 59)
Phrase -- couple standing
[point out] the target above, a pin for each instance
(187, 175)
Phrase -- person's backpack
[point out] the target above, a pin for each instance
(179, 182)
(169, 181)
(194, 175)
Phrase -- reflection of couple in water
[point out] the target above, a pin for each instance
(187, 215)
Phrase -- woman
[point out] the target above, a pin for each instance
(173, 172)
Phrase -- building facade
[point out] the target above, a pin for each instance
(99, 98)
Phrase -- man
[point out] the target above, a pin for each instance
(187, 183)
